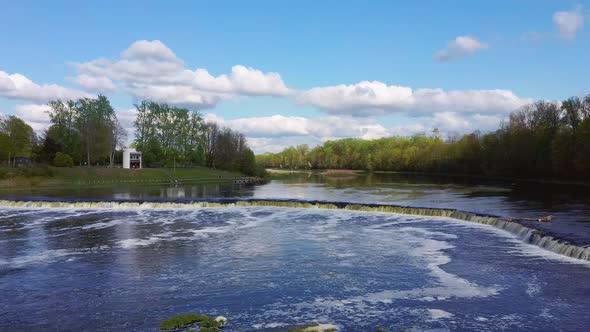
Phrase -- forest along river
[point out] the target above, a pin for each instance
(128, 268)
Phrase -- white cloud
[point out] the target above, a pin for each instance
(33, 112)
(276, 125)
(486, 122)
(409, 129)
(324, 128)
(373, 98)
(275, 144)
(568, 23)
(151, 70)
(18, 86)
(126, 116)
(36, 115)
(144, 49)
(94, 83)
(450, 121)
(460, 47)
(363, 98)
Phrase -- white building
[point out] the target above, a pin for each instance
(131, 158)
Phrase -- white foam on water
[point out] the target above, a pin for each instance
(99, 224)
(271, 325)
(436, 314)
(427, 253)
(204, 232)
(45, 257)
(132, 243)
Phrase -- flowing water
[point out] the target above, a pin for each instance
(127, 266)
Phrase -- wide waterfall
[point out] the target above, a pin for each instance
(527, 234)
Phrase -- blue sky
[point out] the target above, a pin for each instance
(309, 70)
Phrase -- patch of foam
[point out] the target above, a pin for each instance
(439, 314)
(272, 325)
(44, 257)
(546, 313)
(104, 224)
(132, 243)
(427, 252)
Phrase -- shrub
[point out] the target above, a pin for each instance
(63, 160)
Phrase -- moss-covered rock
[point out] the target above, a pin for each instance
(207, 323)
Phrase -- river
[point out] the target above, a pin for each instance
(266, 268)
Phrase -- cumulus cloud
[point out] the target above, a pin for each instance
(18, 86)
(276, 132)
(94, 83)
(145, 49)
(324, 128)
(450, 121)
(36, 115)
(126, 116)
(276, 144)
(460, 47)
(151, 70)
(374, 98)
(410, 129)
(568, 23)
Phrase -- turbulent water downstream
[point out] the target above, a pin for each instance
(115, 264)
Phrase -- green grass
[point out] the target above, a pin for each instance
(48, 176)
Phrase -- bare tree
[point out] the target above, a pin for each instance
(211, 137)
(117, 140)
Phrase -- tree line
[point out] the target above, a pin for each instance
(84, 131)
(172, 135)
(543, 139)
(87, 132)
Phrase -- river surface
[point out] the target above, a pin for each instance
(267, 268)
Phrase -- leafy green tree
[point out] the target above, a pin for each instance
(63, 160)
(181, 133)
(63, 130)
(16, 139)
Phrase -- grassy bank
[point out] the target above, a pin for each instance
(48, 176)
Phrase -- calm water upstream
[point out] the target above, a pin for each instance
(267, 268)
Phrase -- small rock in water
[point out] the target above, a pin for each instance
(222, 321)
(320, 328)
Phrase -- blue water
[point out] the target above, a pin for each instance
(267, 268)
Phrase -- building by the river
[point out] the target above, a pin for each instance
(131, 159)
